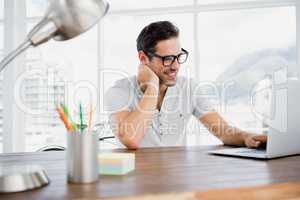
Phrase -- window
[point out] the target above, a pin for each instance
(225, 40)
(1, 76)
(238, 49)
(223, 1)
(1, 36)
(138, 4)
(57, 72)
(36, 8)
(120, 58)
(1, 9)
(121, 55)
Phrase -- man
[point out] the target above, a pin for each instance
(152, 108)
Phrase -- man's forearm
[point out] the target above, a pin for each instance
(220, 128)
(133, 128)
(229, 135)
(233, 136)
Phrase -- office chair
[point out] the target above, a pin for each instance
(51, 148)
(102, 127)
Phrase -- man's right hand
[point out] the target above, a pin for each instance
(147, 78)
(133, 125)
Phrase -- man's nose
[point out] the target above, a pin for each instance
(175, 65)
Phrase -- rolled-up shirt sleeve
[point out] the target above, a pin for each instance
(201, 103)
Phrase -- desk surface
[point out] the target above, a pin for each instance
(159, 170)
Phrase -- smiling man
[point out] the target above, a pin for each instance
(152, 108)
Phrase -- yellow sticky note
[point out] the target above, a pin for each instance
(116, 163)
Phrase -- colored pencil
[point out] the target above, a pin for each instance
(66, 111)
(90, 117)
(81, 118)
(64, 118)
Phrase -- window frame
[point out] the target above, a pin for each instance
(1, 79)
(13, 118)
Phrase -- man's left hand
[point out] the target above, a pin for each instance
(255, 141)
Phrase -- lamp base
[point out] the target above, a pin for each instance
(20, 178)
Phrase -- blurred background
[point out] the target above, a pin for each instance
(235, 47)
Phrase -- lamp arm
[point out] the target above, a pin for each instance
(41, 33)
(12, 55)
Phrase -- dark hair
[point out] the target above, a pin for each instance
(153, 33)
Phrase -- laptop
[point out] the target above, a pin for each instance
(284, 129)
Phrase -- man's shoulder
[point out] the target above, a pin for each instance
(125, 83)
(183, 81)
(120, 95)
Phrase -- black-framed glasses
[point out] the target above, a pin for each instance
(169, 60)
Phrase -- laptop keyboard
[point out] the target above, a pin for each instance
(255, 151)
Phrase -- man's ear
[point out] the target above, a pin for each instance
(143, 58)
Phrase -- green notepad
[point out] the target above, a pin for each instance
(116, 163)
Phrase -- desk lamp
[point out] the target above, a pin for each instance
(65, 19)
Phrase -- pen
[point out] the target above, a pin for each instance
(66, 111)
(64, 118)
(90, 117)
(81, 118)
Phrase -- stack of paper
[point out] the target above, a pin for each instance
(116, 163)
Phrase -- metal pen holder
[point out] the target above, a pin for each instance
(82, 151)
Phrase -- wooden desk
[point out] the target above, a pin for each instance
(159, 170)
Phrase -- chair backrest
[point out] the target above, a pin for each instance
(52, 148)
